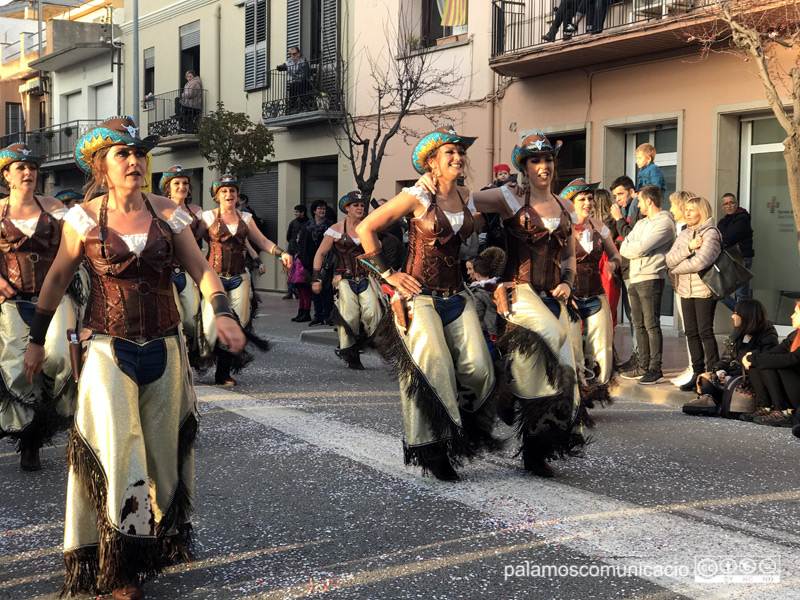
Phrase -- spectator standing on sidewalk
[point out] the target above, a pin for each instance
(292, 235)
(736, 230)
(611, 283)
(646, 246)
(308, 244)
(626, 212)
(696, 248)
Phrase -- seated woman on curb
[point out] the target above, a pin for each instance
(775, 374)
(752, 333)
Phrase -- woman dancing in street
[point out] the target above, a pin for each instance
(130, 452)
(360, 301)
(228, 228)
(593, 333)
(175, 184)
(435, 340)
(539, 275)
(31, 412)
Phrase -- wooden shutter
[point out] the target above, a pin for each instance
(292, 23)
(256, 32)
(330, 45)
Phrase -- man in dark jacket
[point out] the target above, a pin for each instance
(736, 231)
(307, 246)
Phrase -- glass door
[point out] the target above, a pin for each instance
(665, 139)
(765, 194)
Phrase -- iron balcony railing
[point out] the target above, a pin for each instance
(51, 143)
(315, 88)
(519, 25)
(174, 113)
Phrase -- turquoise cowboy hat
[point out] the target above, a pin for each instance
(226, 180)
(349, 198)
(68, 195)
(577, 186)
(18, 153)
(535, 144)
(444, 134)
(170, 174)
(115, 131)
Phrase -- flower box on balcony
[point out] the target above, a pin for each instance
(450, 39)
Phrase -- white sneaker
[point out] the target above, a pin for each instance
(683, 378)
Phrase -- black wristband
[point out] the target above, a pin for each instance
(316, 275)
(376, 261)
(219, 302)
(39, 326)
(568, 277)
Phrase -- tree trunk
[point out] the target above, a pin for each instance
(791, 154)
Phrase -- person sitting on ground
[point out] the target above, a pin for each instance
(485, 270)
(752, 332)
(775, 375)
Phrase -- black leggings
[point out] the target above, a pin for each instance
(698, 323)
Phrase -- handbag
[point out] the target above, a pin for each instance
(297, 273)
(726, 274)
(738, 397)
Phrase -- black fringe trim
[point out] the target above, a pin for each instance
(177, 547)
(47, 422)
(349, 355)
(122, 560)
(392, 350)
(83, 568)
(593, 395)
(416, 455)
(339, 321)
(528, 343)
(478, 425)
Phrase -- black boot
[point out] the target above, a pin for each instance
(435, 460)
(29, 455)
(224, 363)
(302, 318)
(534, 459)
(298, 315)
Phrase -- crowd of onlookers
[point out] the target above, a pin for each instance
(656, 245)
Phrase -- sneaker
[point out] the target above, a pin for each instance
(630, 364)
(775, 418)
(316, 322)
(651, 377)
(569, 31)
(635, 373)
(703, 406)
(685, 376)
(748, 417)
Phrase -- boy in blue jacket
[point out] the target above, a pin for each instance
(649, 173)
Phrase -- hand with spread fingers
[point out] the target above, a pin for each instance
(404, 283)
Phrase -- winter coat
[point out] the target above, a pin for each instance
(736, 229)
(779, 357)
(293, 232)
(310, 238)
(491, 322)
(686, 264)
(650, 174)
(646, 245)
(736, 348)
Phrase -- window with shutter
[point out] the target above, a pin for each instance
(149, 71)
(256, 34)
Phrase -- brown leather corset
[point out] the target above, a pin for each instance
(433, 248)
(24, 261)
(588, 282)
(533, 252)
(348, 251)
(131, 295)
(226, 250)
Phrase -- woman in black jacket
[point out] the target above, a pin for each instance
(775, 374)
(752, 333)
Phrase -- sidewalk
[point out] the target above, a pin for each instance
(675, 354)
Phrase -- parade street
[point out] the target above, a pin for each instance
(301, 492)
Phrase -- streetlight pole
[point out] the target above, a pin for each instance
(136, 97)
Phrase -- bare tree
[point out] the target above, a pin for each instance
(756, 30)
(400, 85)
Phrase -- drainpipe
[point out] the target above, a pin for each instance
(490, 150)
(135, 107)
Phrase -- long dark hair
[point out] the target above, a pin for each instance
(753, 316)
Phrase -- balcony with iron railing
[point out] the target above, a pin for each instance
(55, 143)
(174, 116)
(305, 97)
(531, 37)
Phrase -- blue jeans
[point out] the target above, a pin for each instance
(743, 292)
(323, 304)
(626, 307)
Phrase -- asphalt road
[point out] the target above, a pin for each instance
(302, 492)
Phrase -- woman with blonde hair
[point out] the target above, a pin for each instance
(696, 248)
(130, 486)
(435, 340)
(677, 202)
